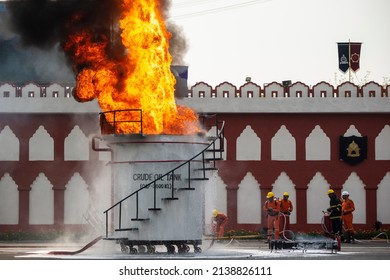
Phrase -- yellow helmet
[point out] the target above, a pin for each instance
(215, 213)
(270, 194)
(286, 194)
(330, 191)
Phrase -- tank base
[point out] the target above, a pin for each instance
(149, 246)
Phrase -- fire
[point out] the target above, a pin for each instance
(142, 79)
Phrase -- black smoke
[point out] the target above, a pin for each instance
(47, 24)
(43, 23)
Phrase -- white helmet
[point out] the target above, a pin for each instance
(344, 193)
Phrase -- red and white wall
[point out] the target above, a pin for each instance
(276, 138)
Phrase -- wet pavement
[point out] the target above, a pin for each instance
(226, 249)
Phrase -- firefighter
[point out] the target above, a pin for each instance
(347, 208)
(335, 213)
(218, 223)
(272, 208)
(286, 207)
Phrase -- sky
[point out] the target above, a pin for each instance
(277, 40)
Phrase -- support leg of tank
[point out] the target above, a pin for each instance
(133, 251)
(180, 248)
(183, 248)
(151, 249)
(197, 249)
(170, 248)
(124, 248)
(142, 249)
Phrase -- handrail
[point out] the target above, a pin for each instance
(219, 135)
(111, 127)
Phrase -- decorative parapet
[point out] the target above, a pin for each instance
(224, 98)
(48, 98)
(294, 98)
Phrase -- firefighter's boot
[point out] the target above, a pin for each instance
(347, 237)
(353, 238)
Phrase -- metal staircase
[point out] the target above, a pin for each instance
(198, 169)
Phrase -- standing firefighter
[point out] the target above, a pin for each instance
(272, 208)
(335, 212)
(347, 208)
(218, 222)
(286, 207)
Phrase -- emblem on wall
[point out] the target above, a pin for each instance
(353, 149)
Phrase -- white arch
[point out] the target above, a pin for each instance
(9, 144)
(352, 131)
(248, 145)
(317, 199)
(283, 145)
(77, 200)
(382, 147)
(215, 198)
(284, 184)
(317, 145)
(41, 201)
(41, 145)
(355, 187)
(9, 201)
(248, 201)
(76, 145)
(383, 198)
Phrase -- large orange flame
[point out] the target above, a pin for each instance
(141, 80)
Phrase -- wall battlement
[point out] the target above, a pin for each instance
(224, 98)
(51, 98)
(295, 98)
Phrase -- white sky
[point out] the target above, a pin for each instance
(276, 40)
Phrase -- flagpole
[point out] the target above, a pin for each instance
(349, 60)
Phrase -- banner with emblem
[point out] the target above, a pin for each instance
(353, 149)
(354, 57)
(349, 56)
(181, 75)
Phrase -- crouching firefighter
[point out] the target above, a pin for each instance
(218, 223)
(272, 208)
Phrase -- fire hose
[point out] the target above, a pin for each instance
(90, 244)
(284, 231)
(232, 238)
(336, 236)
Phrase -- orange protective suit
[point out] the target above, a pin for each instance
(218, 224)
(347, 208)
(286, 207)
(272, 208)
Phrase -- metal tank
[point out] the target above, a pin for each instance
(158, 186)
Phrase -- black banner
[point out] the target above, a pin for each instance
(181, 75)
(343, 56)
(353, 149)
(349, 56)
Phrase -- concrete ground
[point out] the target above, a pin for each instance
(226, 249)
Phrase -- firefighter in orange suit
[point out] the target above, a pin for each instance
(272, 208)
(218, 223)
(286, 207)
(347, 208)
